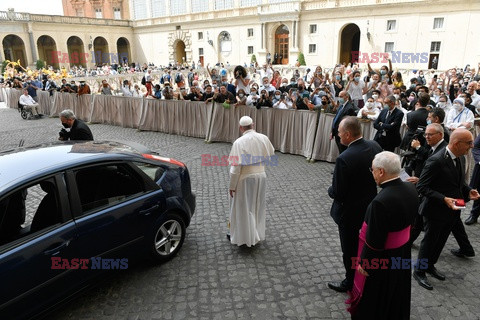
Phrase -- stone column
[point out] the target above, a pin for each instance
(294, 34)
(33, 47)
(263, 36)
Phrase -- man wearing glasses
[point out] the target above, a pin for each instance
(442, 184)
(434, 135)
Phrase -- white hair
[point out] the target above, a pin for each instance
(67, 114)
(388, 161)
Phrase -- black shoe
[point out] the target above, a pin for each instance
(462, 254)
(422, 279)
(435, 273)
(338, 286)
(228, 236)
(472, 219)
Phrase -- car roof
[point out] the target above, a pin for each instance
(25, 163)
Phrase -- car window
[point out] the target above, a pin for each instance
(107, 185)
(28, 210)
(154, 172)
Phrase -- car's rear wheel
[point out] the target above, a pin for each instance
(168, 237)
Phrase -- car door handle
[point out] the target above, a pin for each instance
(146, 212)
(56, 250)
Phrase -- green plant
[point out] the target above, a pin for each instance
(253, 59)
(4, 65)
(301, 59)
(40, 64)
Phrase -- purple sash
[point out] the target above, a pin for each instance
(394, 240)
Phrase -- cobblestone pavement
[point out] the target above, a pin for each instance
(282, 278)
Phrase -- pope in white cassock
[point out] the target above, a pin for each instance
(250, 153)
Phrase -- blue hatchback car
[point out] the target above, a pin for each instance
(70, 210)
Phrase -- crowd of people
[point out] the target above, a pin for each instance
(377, 230)
(438, 109)
(267, 87)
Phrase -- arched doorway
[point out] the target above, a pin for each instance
(47, 51)
(179, 53)
(100, 48)
(123, 49)
(281, 44)
(349, 41)
(76, 52)
(14, 49)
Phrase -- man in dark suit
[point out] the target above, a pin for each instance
(388, 125)
(78, 129)
(437, 115)
(352, 190)
(442, 183)
(416, 119)
(475, 183)
(346, 108)
(435, 143)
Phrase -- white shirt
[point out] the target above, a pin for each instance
(126, 91)
(476, 100)
(372, 113)
(356, 90)
(137, 94)
(269, 88)
(26, 100)
(280, 105)
(240, 85)
(251, 99)
(455, 118)
(148, 77)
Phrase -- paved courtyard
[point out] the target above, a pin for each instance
(282, 278)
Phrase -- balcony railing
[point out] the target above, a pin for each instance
(22, 16)
(328, 4)
(281, 7)
(198, 16)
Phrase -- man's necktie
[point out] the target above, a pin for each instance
(458, 167)
(430, 152)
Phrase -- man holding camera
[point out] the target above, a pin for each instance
(415, 120)
(78, 129)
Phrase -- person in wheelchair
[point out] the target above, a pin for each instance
(29, 104)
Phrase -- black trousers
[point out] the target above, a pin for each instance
(458, 231)
(417, 227)
(436, 235)
(349, 242)
(475, 208)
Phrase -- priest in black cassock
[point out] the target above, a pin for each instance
(382, 285)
